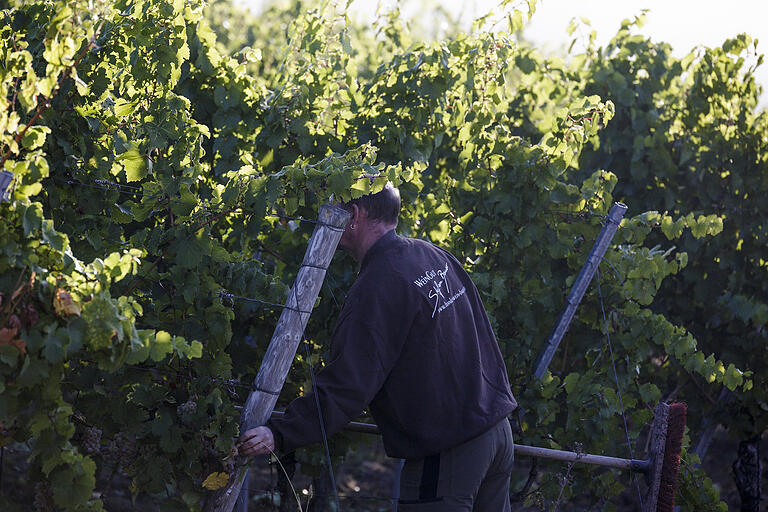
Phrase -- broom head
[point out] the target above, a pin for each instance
(672, 448)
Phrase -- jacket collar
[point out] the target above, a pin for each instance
(381, 244)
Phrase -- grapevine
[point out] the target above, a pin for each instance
(162, 169)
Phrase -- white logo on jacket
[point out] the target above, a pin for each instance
(439, 289)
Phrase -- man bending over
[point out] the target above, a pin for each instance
(413, 344)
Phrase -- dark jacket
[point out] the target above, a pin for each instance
(413, 343)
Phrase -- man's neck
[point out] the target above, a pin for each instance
(369, 239)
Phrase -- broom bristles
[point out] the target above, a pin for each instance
(671, 465)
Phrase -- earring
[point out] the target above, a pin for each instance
(351, 226)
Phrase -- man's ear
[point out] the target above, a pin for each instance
(361, 213)
(355, 215)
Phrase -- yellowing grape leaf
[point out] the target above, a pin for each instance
(64, 304)
(7, 334)
(215, 481)
(20, 345)
(8, 337)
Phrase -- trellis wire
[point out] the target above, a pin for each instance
(138, 191)
(248, 387)
(111, 185)
(128, 189)
(331, 286)
(615, 272)
(610, 226)
(580, 214)
(322, 426)
(321, 420)
(314, 384)
(223, 294)
(226, 382)
(234, 382)
(132, 190)
(618, 386)
(341, 495)
(295, 494)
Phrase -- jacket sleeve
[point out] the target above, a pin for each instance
(366, 343)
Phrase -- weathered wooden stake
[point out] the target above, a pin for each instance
(288, 333)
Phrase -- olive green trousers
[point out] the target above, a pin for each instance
(472, 477)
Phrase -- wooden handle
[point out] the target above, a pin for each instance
(642, 466)
(597, 460)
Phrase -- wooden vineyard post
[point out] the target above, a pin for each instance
(285, 340)
(612, 222)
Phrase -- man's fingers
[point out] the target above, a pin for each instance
(254, 443)
(250, 434)
(255, 448)
(257, 441)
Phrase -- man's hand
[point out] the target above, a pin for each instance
(257, 441)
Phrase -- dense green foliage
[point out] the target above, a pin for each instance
(687, 139)
(690, 142)
(139, 144)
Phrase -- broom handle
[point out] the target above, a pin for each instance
(531, 451)
(597, 460)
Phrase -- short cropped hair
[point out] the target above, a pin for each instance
(382, 206)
